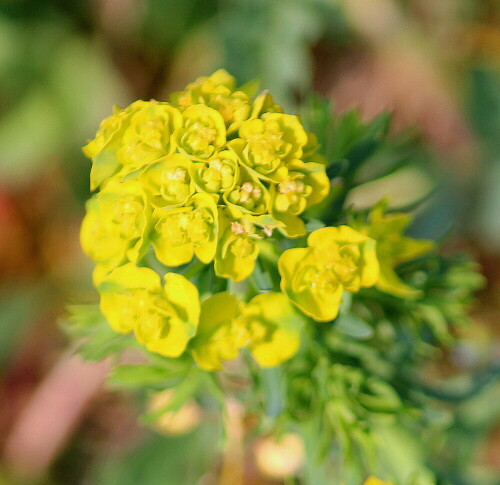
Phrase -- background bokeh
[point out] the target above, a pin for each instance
(63, 64)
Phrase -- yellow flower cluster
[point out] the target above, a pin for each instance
(165, 318)
(269, 326)
(208, 175)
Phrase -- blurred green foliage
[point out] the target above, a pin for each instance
(62, 67)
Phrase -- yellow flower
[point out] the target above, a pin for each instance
(167, 182)
(108, 128)
(268, 325)
(272, 327)
(337, 259)
(181, 233)
(149, 133)
(217, 91)
(163, 318)
(393, 247)
(237, 249)
(311, 150)
(305, 185)
(217, 338)
(249, 195)
(375, 481)
(116, 225)
(203, 133)
(264, 103)
(132, 138)
(266, 145)
(218, 175)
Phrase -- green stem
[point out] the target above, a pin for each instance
(194, 269)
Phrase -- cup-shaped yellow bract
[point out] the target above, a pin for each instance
(219, 92)
(310, 150)
(167, 182)
(148, 135)
(264, 103)
(337, 259)
(202, 134)
(217, 175)
(217, 339)
(305, 185)
(393, 247)
(249, 195)
(272, 327)
(266, 145)
(132, 138)
(116, 225)
(163, 318)
(237, 249)
(179, 234)
(108, 129)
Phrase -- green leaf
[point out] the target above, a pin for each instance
(189, 386)
(353, 326)
(314, 224)
(19, 309)
(143, 375)
(435, 319)
(379, 396)
(260, 278)
(272, 381)
(317, 117)
(160, 460)
(104, 165)
(100, 340)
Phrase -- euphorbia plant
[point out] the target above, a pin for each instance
(223, 240)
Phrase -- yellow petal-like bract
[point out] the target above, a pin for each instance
(272, 327)
(337, 259)
(217, 339)
(393, 247)
(163, 318)
(269, 325)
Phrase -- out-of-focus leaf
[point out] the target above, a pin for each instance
(317, 116)
(18, 310)
(30, 134)
(353, 326)
(355, 140)
(79, 88)
(484, 106)
(162, 461)
(142, 376)
(98, 339)
(379, 396)
(401, 455)
(274, 45)
(166, 23)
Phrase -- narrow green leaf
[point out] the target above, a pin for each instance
(353, 326)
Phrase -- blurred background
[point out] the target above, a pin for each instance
(64, 64)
